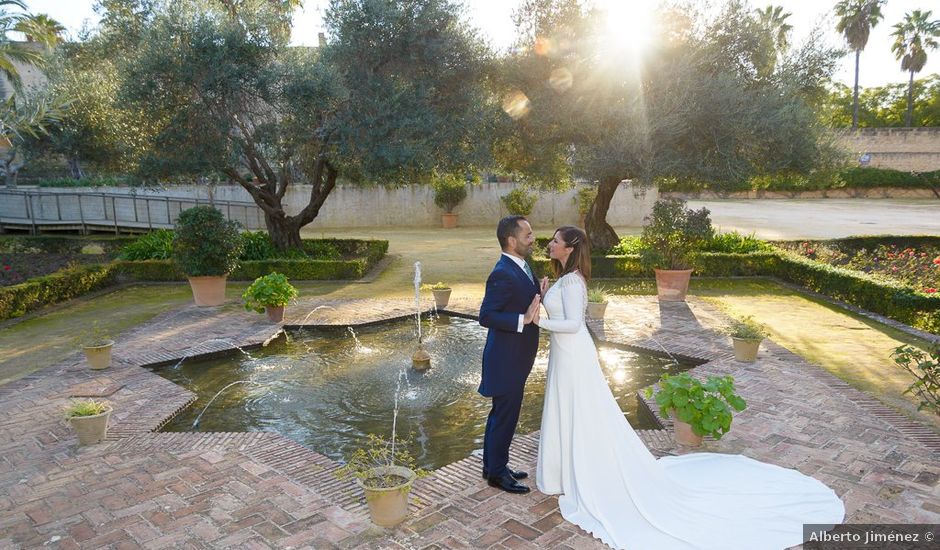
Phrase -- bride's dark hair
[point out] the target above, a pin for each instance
(580, 258)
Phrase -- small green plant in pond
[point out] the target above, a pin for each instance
(272, 290)
(85, 407)
(597, 295)
(925, 368)
(519, 201)
(377, 453)
(706, 407)
(747, 328)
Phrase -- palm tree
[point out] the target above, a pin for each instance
(912, 38)
(41, 28)
(774, 20)
(856, 19)
(11, 52)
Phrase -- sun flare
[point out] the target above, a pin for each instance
(630, 25)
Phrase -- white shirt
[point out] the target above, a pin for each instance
(521, 263)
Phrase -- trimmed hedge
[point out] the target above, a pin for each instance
(63, 285)
(870, 242)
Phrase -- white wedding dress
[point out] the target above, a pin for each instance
(612, 487)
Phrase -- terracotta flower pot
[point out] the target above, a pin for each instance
(448, 221)
(99, 357)
(596, 310)
(388, 506)
(745, 349)
(684, 434)
(208, 291)
(672, 284)
(441, 297)
(275, 313)
(91, 429)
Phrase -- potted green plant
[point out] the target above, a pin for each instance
(206, 246)
(89, 419)
(269, 294)
(449, 191)
(597, 302)
(441, 294)
(671, 236)
(519, 202)
(924, 366)
(697, 409)
(746, 334)
(584, 199)
(385, 473)
(97, 345)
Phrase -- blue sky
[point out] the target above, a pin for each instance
(493, 18)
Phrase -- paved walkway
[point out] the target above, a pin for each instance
(261, 490)
(824, 218)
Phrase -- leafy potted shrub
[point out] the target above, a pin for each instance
(385, 474)
(519, 202)
(89, 419)
(97, 345)
(441, 294)
(206, 246)
(449, 191)
(269, 294)
(597, 302)
(672, 234)
(697, 409)
(747, 334)
(584, 198)
(925, 368)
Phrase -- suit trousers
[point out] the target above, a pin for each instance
(500, 427)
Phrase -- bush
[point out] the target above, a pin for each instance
(735, 243)
(449, 191)
(584, 198)
(257, 245)
(747, 328)
(205, 243)
(925, 368)
(706, 407)
(85, 407)
(673, 233)
(112, 246)
(519, 202)
(156, 245)
(322, 250)
(63, 285)
(272, 290)
(627, 245)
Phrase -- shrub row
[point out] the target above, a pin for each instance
(62, 245)
(63, 285)
(295, 270)
(852, 244)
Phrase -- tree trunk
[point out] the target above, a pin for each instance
(10, 171)
(858, 54)
(910, 100)
(284, 231)
(75, 168)
(600, 233)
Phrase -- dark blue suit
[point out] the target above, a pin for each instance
(507, 357)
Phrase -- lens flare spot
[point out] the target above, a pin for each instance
(542, 45)
(516, 105)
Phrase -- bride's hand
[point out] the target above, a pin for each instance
(532, 314)
(543, 286)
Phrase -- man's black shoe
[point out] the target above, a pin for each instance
(516, 474)
(508, 484)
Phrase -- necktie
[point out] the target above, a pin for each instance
(528, 271)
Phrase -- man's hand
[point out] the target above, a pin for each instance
(532, 314)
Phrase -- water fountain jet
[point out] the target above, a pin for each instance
(421, 360)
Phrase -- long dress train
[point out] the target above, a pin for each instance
(610, 485)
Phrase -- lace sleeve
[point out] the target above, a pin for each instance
(574, 300)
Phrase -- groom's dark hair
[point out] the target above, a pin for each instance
(507, 227)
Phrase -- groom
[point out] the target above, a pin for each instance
(510, 306)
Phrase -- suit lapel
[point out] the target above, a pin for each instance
(513, 266)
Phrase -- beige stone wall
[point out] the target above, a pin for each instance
(908, 149)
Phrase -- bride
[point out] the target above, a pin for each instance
(608, 482)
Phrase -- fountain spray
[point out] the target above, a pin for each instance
(421, 360)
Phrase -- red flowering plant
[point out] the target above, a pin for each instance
(8, 275)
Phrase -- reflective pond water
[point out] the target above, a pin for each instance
(328, 389)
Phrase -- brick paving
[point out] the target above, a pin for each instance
(146, 489)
